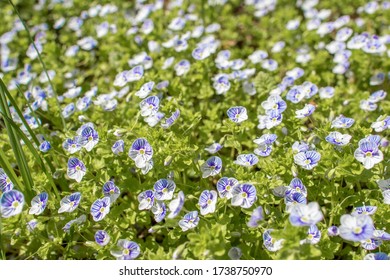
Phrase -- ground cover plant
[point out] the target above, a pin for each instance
(209, 129)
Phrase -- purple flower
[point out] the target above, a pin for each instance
(237, 114)
(71, 146)
(44, 146)
(211, 167)
(102, 238)
(305, 214)
(338, 139)
(213, 148)
(127, 250)
(88, 138)
(164, 189)
(313, 235)
(141, 152)
(246, 160)
(76, 169)
(169, 121)
(225, 187)
(270, 243)
(11, 203)
(342, 122)
(100, 208)
(356, 227)
(176, 205)
(159, 210)
(111, 191)
(38, 203)
(207, 202)
(308, 160)
(256, 217)
(5, 182)
(146, 200)
(368, 154)
(305, 112)
(333, 231)
(296, 186)
(244, 195)
(149, 106)
(118, 147)
(189, 221)
(69, 203)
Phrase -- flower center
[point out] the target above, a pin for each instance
(73, 145)
(369, 154)
(102, 210)
(7, 180)
(15, 204)
(164, 190)
(90, 138)
(142, 151)
(244, 195)
(126, 252)
(310, 236)
(275, 106)
(307, 161)
(228, 188)
(78, 168)
(357, 230)
(209, 201)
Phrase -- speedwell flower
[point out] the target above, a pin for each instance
(146, 200)
(225, 187)
(38, 203)
(342, 122)
(111, 190)
(189, 221)
(244, 195)
(76, 169)
(296, 186)
(237, 114)
(308, 160)
(102, 238)
(159, 210)
(256, 217)
(213, 148)
(118, 147)
(305, 215)
(88, 138)
(270, 243)
(336, 138)
(246, 160)
(128, 250)
(164, 189)
(368, 154)
(141, 152)
(207, 202)
(5, 182)
(11, 203)
(211, 167)
(176, 205)
(313, 235)
(100, 208)
(70, 202)
(305, 112)
(356, 227)
(71, 146)
(149, 106)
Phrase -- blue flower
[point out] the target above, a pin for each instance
(44, 146)
(128, 250)
(338, 139)
(266, 139)
(308, 160)
(370, 244)
(88, 138)
(244, 195)
(207, 202)
(381, 234)
(149, 106)
(368, 154)
(293, 198)
(356, 227)
(221, 83)
(5, 182)
(313, 236)
(146, 200)
(111, 191)
(118, 147)
(71, 146)
(305, 112)
(164, 189)
(272, 119)
(365, 210)
(211, 167)
(176, 205)
(333, 231)
(77, 221)
(102, 238)
(270, 243)
(342, 122)
(296, 186)
(38, 203)
(145, 90)
(295, 94)
(189, 221)
(256, 217)
(135, 73)
(69, 203)
(141, 152)
(381, 124)
(371, 138)
(169, 121)
(76, 169)
(305, 214)
(263, 150)
(100, 208)
(377, 256)
(246, 160)
(31, 225)
(326, 92)
(237, 114)
(299, 147)
(213, 148)
(68, 110)
(182, 67)
(377, 96)
(11, 203)
(159, 210)
(225, 187)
